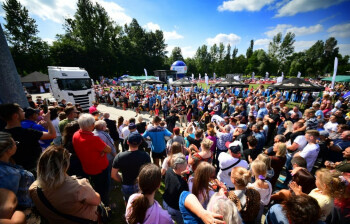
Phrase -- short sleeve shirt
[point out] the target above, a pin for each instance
(89, 149)
(310, 153)
(157, 135)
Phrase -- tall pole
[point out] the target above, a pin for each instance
(11, 90)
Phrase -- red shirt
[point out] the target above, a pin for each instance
(89, 149)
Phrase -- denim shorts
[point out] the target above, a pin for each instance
(128, 190)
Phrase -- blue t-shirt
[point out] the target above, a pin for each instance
(262, 112)
(31, 124)
(261, 140)
(157, 136)
(188, 216)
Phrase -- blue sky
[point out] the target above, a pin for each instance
(192, 23)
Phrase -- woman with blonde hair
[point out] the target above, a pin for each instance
(330, 185)
(247, 200)
(288, 125)
(74, 198)
(204, 155)
(204, 173)
(278, 161)
(142, 207)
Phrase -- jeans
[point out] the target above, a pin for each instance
(175, 214)
(101, 182)
(288, 167)
(128, 190)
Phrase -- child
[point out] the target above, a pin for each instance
(263, 186)
(267, 160)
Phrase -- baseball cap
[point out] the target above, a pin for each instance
(135, 138)
(243, 126)
(30, 111)
(132, 126)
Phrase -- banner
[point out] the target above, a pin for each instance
(282, 75)
(335, 71)
(267, 75)
(192, 76)
(199, 77)
(145, 72)
(214, 75)
(299, 75)
(253, 75)
(206, 79)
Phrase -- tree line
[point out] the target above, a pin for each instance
(92, 40)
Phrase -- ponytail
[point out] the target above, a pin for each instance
(138, 209)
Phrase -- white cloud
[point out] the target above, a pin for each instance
(187, 52)
(152, 26)
(341, 30)
(344, 49)
(168, 35)
(49, 40)
(231, 39)
(173, 35)
(298, 31)
(296, 6)
(262, 42)
(58, 10)
(303, 45)
(240, 5)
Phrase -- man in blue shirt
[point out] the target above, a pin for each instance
(152, 102)
(157, 134)
(262, 111)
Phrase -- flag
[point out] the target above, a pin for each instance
(199, 77)
(214, 75)
(299, 75)
(192, 76)
(253, 75)
(207, 79)
(335, 71)
(145, 72)
(267, 75)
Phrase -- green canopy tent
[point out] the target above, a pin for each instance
(338, 78)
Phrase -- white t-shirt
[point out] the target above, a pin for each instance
(330, 127)
(125, 132)
(265, 193)
(301, 141)
(310, 153)
(226, 160)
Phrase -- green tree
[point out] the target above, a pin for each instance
(280, 48)
(249, 52)
(29, 52)
(176, 55)
(330, 52)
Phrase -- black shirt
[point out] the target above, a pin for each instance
(28, 149)
(129, 163)
(196, 142)
(111, 125)
(170, 122)
(174, 186)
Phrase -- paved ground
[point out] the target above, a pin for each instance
(114, 112)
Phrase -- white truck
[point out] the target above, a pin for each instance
(72, 84)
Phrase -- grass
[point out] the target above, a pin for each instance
(118, 215)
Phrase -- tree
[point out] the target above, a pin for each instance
(330, 52)
(176, 55)
(250, 50)
(29, 52)
(280, 48)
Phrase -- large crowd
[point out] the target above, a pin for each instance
(224, 155)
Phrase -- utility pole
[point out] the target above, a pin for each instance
(11, 90)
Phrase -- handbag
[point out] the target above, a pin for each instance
(66, 216)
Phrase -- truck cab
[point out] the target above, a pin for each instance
(72, 84)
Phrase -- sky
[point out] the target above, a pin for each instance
(189, 24)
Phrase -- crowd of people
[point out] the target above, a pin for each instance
(223, 156)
